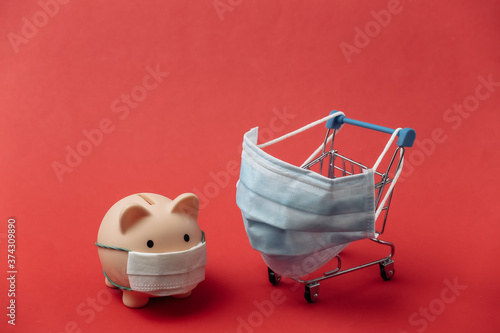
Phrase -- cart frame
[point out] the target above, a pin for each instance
(340, 166)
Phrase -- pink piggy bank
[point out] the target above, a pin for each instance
(150, 246)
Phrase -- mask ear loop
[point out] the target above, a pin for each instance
(300, 130)
(106, 275)
(386, 148)
(396, 176)
(111, 247)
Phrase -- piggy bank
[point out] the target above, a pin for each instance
(150, 246)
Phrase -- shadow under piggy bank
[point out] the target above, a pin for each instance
(168, 308)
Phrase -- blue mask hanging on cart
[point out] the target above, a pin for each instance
(298, 219)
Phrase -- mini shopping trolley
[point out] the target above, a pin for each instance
(300, 218)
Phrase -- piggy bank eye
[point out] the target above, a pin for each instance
(150, 243)
(186, 237)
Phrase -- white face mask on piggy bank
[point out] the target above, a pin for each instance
(150, 246)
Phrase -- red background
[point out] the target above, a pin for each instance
(229, 72)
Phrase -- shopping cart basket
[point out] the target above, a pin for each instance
(273, 196)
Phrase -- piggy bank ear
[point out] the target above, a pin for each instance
(186, 203)
(130, 215)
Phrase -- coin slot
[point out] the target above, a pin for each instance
(147, 199)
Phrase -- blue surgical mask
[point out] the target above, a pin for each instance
(298, 219)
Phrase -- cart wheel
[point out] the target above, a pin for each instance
(387, 269)
(311, 293)
(273, 277)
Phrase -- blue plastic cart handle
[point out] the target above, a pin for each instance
(406, 135)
